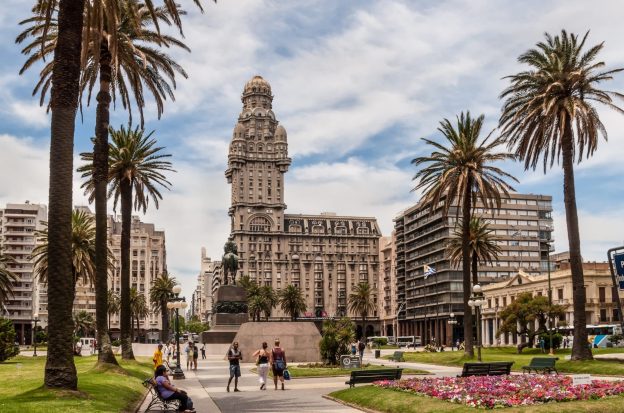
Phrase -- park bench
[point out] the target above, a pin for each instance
(498, 368)
(369, 376)
(544, 364)
(397, 356)
(156, 401)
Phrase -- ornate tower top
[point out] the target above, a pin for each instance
(257, 94)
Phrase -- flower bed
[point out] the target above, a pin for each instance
(505, 391)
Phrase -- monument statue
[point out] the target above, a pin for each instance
(230, 261)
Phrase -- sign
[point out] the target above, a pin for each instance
(349, 362)
(578, 379)
(619, 268)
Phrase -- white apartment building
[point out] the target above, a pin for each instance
(18, 223)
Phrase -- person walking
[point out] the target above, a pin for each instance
(278, 363)
(361, 348)
(262, 361)
(157, 358)
(203, 351)
(542, 345)
(353, 348)
(187, 351)
(235, 356)
(195, 356)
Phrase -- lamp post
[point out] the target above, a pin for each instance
(550, 319)
(35, 320)
(476, 301)
(452, 321)
(176, 302)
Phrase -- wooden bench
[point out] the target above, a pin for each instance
(498, 368)
(397, 356)
(543, 364)
(369, 376)
(156, 401)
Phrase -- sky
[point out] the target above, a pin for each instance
(357, 84)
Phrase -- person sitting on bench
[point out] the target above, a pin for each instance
(170, 392)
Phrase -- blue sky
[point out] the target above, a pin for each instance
(356, 85)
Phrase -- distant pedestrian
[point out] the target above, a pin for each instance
(187, 351)
(457, 344)
(157, 358)
(195, 356)
(542, 344)
(353, 348)
(361, 348)
(278, 362)
(234, 356)
(262, 361)
(203, 351)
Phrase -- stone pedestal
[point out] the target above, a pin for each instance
(226, 324)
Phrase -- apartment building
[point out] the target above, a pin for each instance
(387, 286)
(208, 280)
(18, 224)
(522, 228)
(324, 255)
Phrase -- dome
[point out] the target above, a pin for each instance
(239, 131)
(257, 85)
(280, 133)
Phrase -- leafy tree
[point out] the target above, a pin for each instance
(336, 339)
(8, 348)
(483, 247)
(112, 305)
(520, 316)
(84, 324)
(464, 172)
(7, 277)
(292, 301)
(196, 327)
(136, 169)
(360, 302)
(160, 293)
(138, 309)
(550, 113)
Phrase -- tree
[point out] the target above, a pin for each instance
(7, 277)
(337, 337)
(270, 299)
(292, 301)
(483, 247)
(519, 317)
(462, 174)
(196, 327)
(160, 293)
(83, 323)
(360, 302)
(549, 114)
(8, 348)
(136, 168)
(138, 310)
(112, 305)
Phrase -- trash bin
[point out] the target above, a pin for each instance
(377, 353)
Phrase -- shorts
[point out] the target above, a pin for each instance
(235, 370)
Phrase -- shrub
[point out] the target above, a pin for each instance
(557, 339)
(8, 348)
(378, 342)
(116, 343)
(337, 335)
(616, 338)
(430, 348)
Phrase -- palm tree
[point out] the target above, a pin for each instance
(160, 293)
(483, 246)
(549, 114)
(136, 61)
(292, 301)
(361, 303)
(7, 277)
(112, 305)
(464, 173)
(138, 309)
(271, 299)
(83, 323)
(136, 167)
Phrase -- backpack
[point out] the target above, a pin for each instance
(361, 346)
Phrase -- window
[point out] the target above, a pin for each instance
(362, 231)
(260, 224)
(560, 293)
(601, 298)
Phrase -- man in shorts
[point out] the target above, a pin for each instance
(235, 356)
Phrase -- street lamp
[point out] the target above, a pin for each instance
(176, 302)
(452, 321)
(476, 301)
(550, 319)
(35, 320)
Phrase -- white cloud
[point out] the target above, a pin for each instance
(30, 113)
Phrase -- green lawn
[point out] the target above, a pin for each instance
(392, 401)
(456, 358)
(21, 388)
(299, 372)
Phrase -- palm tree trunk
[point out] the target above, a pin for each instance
(100, 177)
(164, 334)
(580, 350)
(475, 268)
(125, 313)
(466, 210)
(60, 370)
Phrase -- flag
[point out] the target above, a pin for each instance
(429, 271)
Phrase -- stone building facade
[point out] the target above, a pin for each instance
(522, 227)
(324, 255)
(18, 224)
(387, 286)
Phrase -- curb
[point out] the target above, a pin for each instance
(140, 402)
(353, 406)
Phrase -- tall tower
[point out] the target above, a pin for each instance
(257, 161)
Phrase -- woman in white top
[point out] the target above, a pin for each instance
(263, 357)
